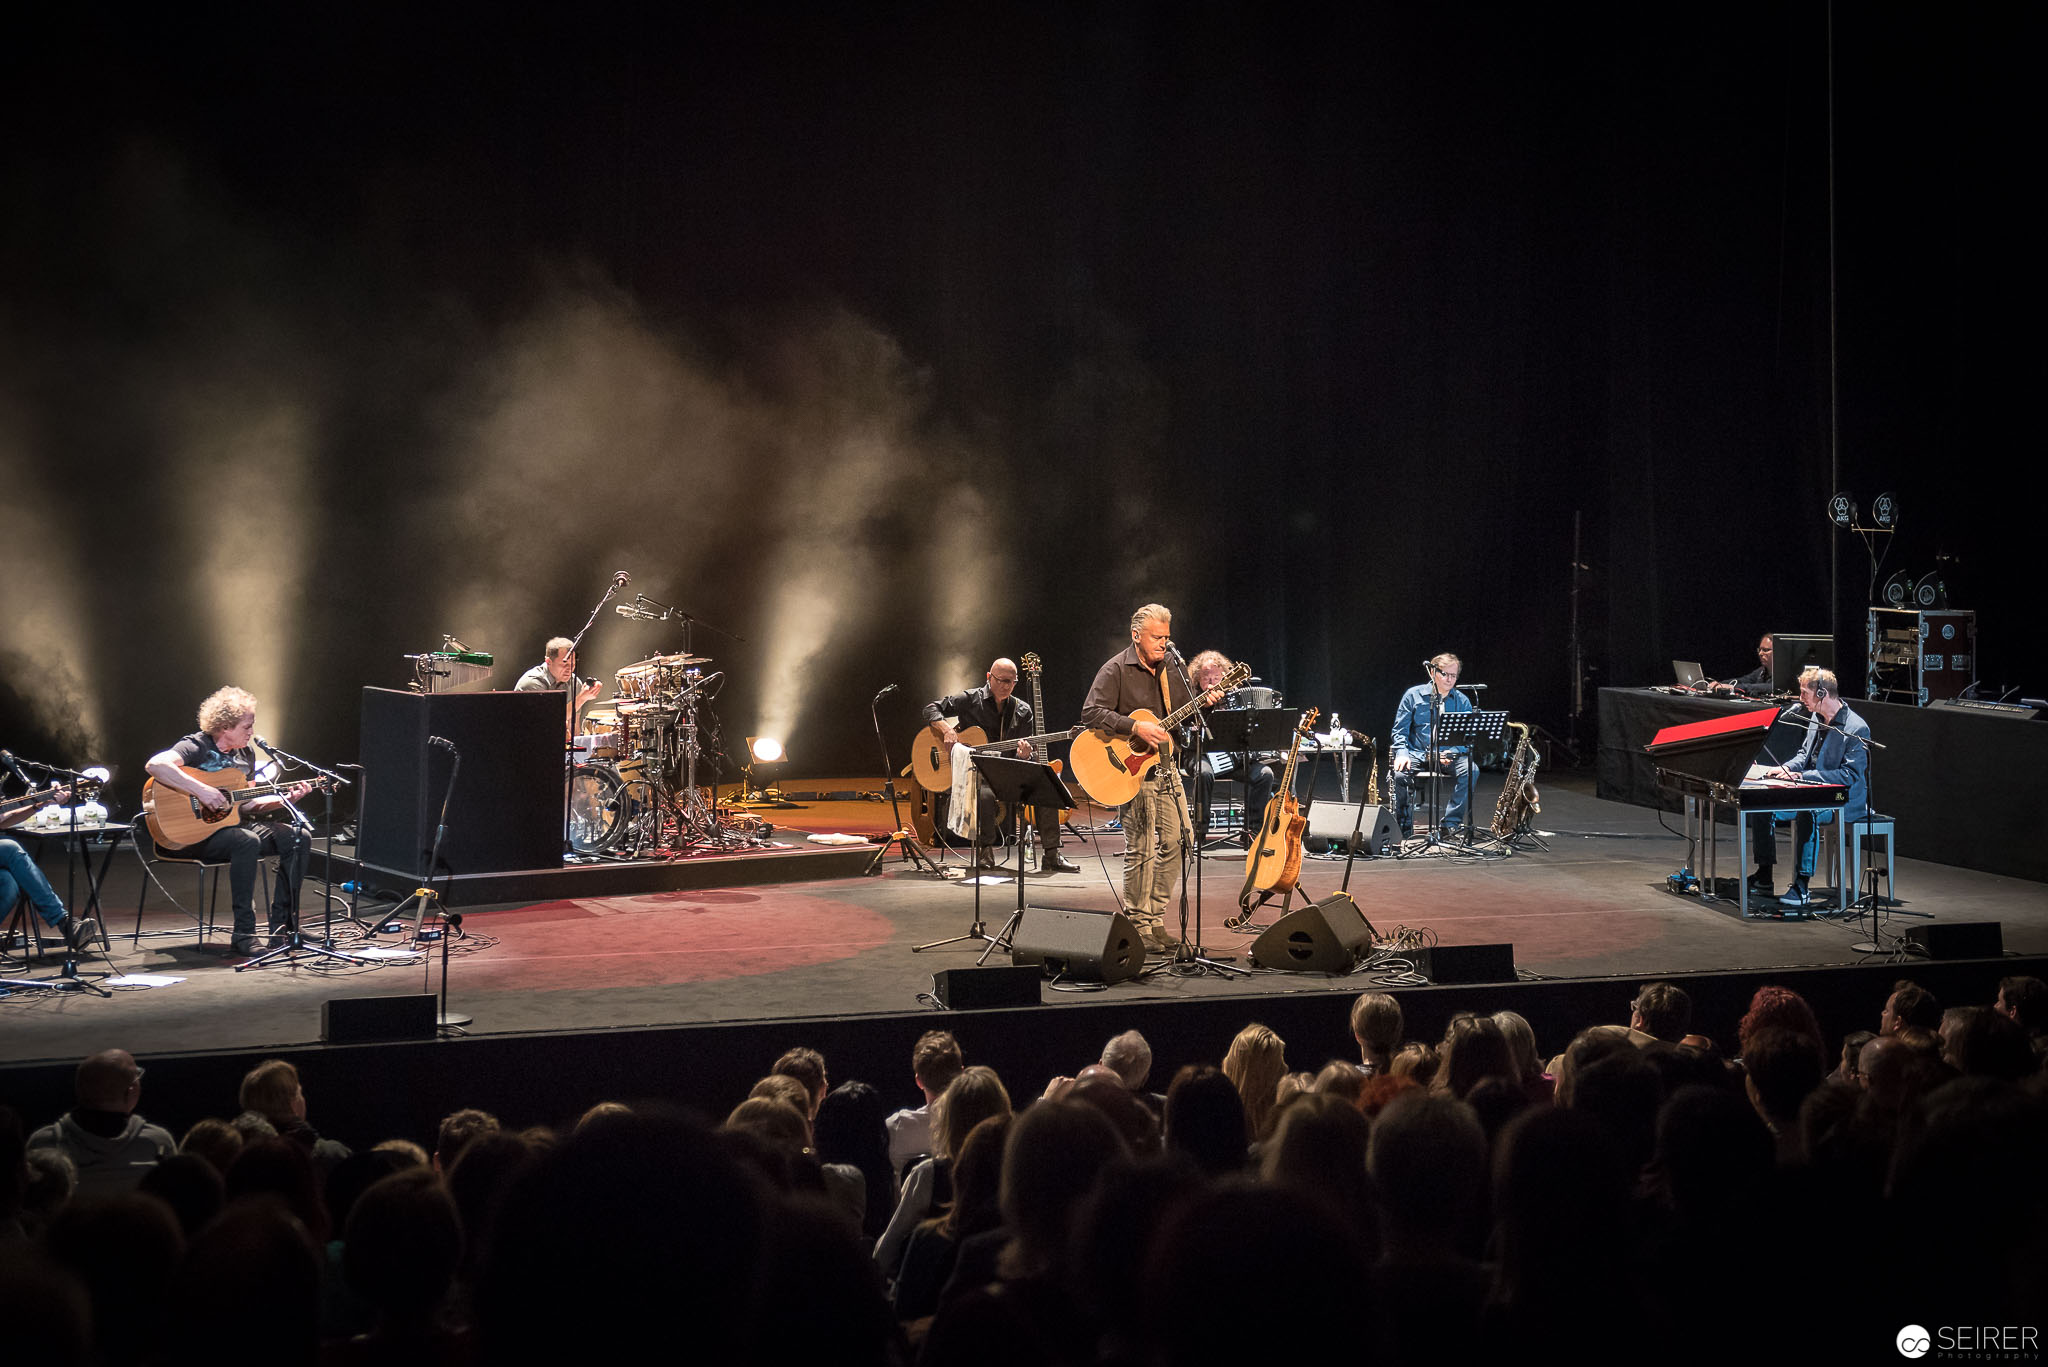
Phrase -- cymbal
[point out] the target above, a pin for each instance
(679, 661)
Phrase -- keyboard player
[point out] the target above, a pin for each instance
(1836, 754)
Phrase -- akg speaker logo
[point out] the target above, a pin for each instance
(1913, 1342)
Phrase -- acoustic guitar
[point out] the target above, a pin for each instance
(1112, 767)
(932, 767)
(84, 790)
(177, 820)
(1273, 864)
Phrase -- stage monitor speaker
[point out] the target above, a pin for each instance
(358, 1020)
(1466, 963)
(1322, 937)
(1330, 823)
(1959, 939)
(1087, 946)
(969, 989)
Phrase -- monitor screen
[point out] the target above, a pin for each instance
(1791, 653)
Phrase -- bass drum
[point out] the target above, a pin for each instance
(600, 809)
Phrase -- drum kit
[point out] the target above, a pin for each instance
(633, 789)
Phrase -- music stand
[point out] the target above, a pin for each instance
(1021, 783)
(1453, 729)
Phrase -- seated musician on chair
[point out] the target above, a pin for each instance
(1836, 756)
(1757, 681)
(227, 723)
(20, 874)
(1413, 727)
(1000, 714)
(1207, 670)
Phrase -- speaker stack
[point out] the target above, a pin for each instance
(1330, 825)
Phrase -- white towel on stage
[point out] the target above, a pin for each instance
(962, 817)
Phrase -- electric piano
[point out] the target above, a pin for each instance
(1709, 765)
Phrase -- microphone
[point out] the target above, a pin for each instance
(7, 761)
(1174, 650)
(887, 689)
(621, 579)
(636, 614)
(1470, 688)
(443, 742)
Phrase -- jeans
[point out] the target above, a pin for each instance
(1457, 789)
(19, 874)
(1155, 827)
(242, 848)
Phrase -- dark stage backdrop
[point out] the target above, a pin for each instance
(889, 339)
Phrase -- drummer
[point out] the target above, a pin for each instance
(1207, 670)
(557, 670)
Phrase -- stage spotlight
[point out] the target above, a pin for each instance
(761, 750)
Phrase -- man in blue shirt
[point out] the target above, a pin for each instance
(1413, 726)
(1835, 754)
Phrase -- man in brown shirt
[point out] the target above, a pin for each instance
(1155, 822)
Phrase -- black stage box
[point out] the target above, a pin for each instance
(1466, 963)
(507, 809)
(1322, 937)
(357, 1020)
(1086, 946)
(967, 989)
(1959, 939)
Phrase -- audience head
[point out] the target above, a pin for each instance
(1782, 1007)
(1050, 1161)
(808, 1067)
(978, 1178)
(1205, 1119)
(403, 1246)
(1427, 1158)
(1713, 1154)
(1376, 1025)
(2025, 1000)
(1988, 1044)
(279, 1169)
(784, 1088)
(214, 1140)
(1129, 1057)
(190, 1186)
(935, 1062)
(968, 1100)
(1255, 1062)
(1662, 1010)
(1417, 1061)
(1909, 1004)
(1521, 1038)
(1318, 1147)
(110, 1080)
(271, 1089)
(458, 1129)
(1341, 1078)
(1783, 1067)
(1474, 1047)
(1133, 1119)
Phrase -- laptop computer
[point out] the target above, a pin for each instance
(1688, 672)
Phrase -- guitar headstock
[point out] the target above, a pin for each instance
(1235, 677)
(1030, 663)
(1308, 722)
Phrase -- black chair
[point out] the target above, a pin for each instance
(151, 855)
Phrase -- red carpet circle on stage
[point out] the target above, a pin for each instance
(665, 938)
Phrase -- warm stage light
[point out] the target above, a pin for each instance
(765, 749)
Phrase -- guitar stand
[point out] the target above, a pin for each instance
(903, 842)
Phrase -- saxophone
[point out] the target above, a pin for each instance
(1518, 795)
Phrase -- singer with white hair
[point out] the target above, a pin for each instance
(227, 726)
(1156, 826)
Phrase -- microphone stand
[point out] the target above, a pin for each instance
(903, 841)
(1191, 958)
(296, 946)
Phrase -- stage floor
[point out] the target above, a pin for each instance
(1594, 905)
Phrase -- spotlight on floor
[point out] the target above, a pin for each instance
(761, 751)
